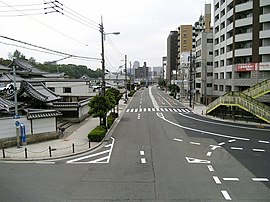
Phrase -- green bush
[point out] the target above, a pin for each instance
(131, 93)
(97, 134)
(111, 119)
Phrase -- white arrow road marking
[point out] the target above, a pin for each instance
(214, 147)
(193, 160)
(99, 160)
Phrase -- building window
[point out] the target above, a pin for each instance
(215, 87)
(222, 63)
(222, 75)
(222, 38)
(216, 52)
(221, 88)
(198, 85)
(222, 50)
(210, 52)
(222, 25)
(199, 42)
(216, 29)
(209, 40)
(216, 76)
(222, 13)
(217, 6)
(216, 64)
(66, 90)
(209, 85)
(228, 75)
(228, 88)
(216, 41)
(210, 74)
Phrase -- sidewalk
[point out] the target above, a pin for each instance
(75, 141)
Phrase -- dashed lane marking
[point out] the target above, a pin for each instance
(143, 160)
(222, 143)
(210, 168)
(217, 180)
(258, 150)
(264, 141)
(260, 180)
(195, 143)
(226, 195)
(142, 153)
(231, 179)
(236, 148)
(178, 140)
(230, 141)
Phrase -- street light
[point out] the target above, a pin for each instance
(103, 87)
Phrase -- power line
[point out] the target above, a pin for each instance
(47, 49)
(114, 47)
(45, 25)
(24, 5)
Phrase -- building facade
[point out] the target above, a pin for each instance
(241, 44)
(172, 51)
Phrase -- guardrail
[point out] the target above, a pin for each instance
(259, 89)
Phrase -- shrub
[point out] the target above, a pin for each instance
(171, 94)
(111, 119)
(131, 93)
(97, 134)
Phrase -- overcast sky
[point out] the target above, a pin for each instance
(144, 26)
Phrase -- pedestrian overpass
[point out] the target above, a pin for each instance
(246, 100)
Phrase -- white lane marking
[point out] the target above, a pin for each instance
(136, 110)
(214, 147)
(205, 132)
(216, 179)
(178, 140)
(209, 154)
(264, 141)
(142, 153)
(153, 109)
(193, 160)
(236, 148)
(195, 143)
(175, 110)
(149, 109)
(179, 110)
(131, 110)
(161, 109)
(222, 143)
(170, 110)
(258, 150)
(139, 116)
(75, 161)
(143, 160)
(231, 141)
(45, 162)
(260, 180)
(166, 110)
(144, 109)
(160, 115)
(158, 110)
(108, 145)
(210, 168)
(231, 179)
(140, 110)
(223, 124)
(226, 195)
(127, 110)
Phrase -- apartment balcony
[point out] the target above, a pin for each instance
(264, 34)
(243, 37)
(229, 40)
(264, 3)
(229, 27)
(244, 22)
(243, 52)
(229, 54)
(265, 18)
(230, 13)
(265, 50)
(244, 7)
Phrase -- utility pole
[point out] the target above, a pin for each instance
(16, 116)
(126, 96)
(190, 79)
(130, 75)
(102, 58)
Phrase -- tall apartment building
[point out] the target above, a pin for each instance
(172, 48)
(241, 44)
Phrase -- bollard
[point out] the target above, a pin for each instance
(25, 152)
(89, 144)
(50, 151)
(4, 156)
(73, 148)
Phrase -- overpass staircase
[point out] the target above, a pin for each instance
(246, 100)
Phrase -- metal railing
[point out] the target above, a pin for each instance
(259, 89)
(243, 101)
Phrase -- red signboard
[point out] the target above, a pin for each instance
(246, 67)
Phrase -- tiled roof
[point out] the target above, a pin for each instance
(71, 104)
(39, 92)
(6, 104)
(42, 113)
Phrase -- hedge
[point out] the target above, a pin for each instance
(97, 134)
(111, 119)
(131, 93)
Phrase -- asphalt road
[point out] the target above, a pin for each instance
(160, 151)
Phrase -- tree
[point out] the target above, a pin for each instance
(17, 54)
(116, 94)
(99, 106)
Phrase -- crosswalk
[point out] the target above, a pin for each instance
(174, 110)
